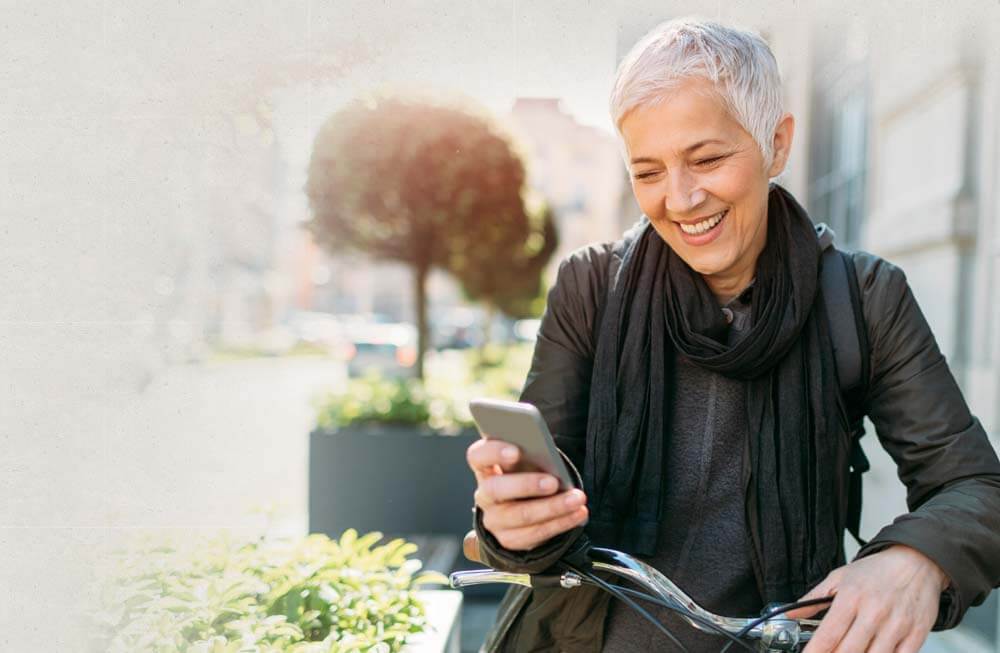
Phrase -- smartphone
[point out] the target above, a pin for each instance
(521, 424)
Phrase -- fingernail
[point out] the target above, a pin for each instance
(574, 499)
(548, 484)
(509, 453)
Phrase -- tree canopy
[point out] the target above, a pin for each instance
(428, 184)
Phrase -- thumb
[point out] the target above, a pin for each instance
(828, 588)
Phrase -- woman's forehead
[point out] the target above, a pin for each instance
(680, 124)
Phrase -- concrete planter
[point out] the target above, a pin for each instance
(403, 481)
(394, 479)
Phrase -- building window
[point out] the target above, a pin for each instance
(838, 160)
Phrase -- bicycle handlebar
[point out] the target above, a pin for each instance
(775, 633)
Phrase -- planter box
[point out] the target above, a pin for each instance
(402, 481)
(398, 480)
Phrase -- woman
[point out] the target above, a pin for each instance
(687, 370)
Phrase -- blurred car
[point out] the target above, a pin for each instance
(333, 332)
(456, 328)
(389, 349)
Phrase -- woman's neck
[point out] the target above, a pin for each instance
(730, 283)
(728, 289)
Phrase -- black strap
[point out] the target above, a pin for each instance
(850, 344)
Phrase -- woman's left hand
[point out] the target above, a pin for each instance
(886, 602)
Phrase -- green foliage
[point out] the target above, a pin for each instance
(312, 595)
(374, 399)
(508, 274)
(441, 401)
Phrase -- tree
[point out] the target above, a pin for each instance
(508, 276)
(414, 181)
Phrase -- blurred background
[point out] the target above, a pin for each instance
(258, 256)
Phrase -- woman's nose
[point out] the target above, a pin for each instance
(683, 195)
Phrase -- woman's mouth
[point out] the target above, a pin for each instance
(705, 231)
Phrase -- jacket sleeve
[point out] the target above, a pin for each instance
(558, 384)
(941, 450)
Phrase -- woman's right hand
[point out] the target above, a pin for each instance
(520, 509)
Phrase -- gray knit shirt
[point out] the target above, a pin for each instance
(704, 545)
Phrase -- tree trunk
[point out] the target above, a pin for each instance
(420, 273)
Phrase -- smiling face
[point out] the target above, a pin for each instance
(700, 178)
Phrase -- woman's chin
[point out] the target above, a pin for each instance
(706, 266)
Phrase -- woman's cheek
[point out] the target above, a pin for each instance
(649, 200)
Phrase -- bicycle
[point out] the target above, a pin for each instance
(772, 632)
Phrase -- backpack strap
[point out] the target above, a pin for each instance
(842, 296)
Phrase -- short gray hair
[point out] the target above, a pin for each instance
(738, 62)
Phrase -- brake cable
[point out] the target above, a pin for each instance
(616, 591)
(629, 602)
(705, 622)
(788, 607)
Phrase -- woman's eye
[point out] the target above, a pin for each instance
(644, 175)
(710, 160)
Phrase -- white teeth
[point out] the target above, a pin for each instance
(702, 227)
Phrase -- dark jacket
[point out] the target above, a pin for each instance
(942, 453)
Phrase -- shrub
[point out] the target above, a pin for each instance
(440, 403)
(374, 399)
(309, 595)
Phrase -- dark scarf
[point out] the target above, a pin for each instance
(657, 306)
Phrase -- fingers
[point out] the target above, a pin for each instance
(913, 627)
(860, 633)
(517, 507)
(529, 512)
(523, 539)
(518, 485)
(889, 637)
(808, 611)
(489, 457)
(913, 641)
(882, 604)
(832, 629)
(825, 589)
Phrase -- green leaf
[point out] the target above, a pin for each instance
(220, 595)
(348, 538)
(399, 557)
(366, 541)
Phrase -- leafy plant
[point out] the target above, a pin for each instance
(506, 273)
(311, 595)
(440, 402)
(374, 398)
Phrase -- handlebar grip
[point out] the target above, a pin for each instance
(546, 580)
(470, 547)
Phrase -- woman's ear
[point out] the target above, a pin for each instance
(781, 145)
